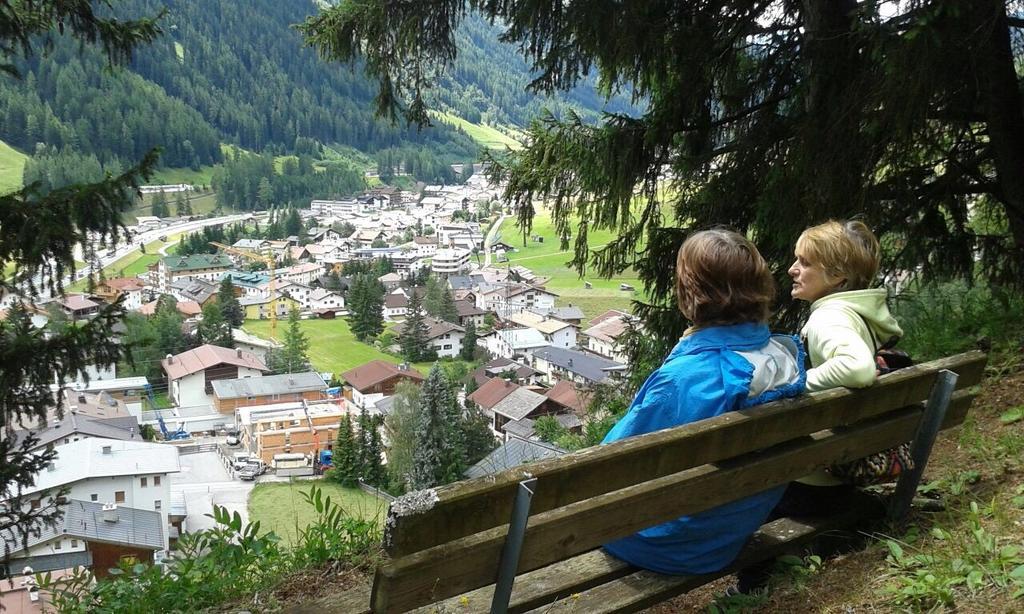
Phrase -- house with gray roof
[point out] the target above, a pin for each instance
(576, 366)
(90, 534)
(513, 453)
(197, 266)
(230, 394)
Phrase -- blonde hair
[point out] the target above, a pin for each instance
(722, 279)
(845, 250)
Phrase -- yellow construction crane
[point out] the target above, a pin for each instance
(269, 261)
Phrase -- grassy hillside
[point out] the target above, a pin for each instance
(488, 136)
(280, 507)
(12, 162)
(548, 259)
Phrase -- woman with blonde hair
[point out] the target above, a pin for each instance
(726, 361)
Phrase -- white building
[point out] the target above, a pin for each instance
(190, 375)
(512, 343)
(451, 261)
(556, 332)
(505, 300)
(130, 473)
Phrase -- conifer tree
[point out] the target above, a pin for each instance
(366, 307)
(468, 350)
(159, 205)
(344, 456)
(182, 205)
(768, 117)
(413, 339)
(439, 456)
(400, 425)
(371, 467)
(433, 298)
(447, 310)
(39, 232)
(230, 308)
(295, 353)
(214, 328)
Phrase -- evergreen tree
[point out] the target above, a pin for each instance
(159, 205)
(447, 310)
(439, 456)
(167, 321)
(413, 339)
(371, 467)
(477, 435)
(468, 350)
(38, 237)
(214, 328)
(345, 455)
(295, 353)
(434, 296)
(230, 308)
(400, 425)
(293, 223)
(182, 205)
(366, 307)
(767, 120)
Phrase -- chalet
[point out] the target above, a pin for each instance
(91, 535)
(230, 394)
(469, 312)
(197, 266)
(259, 307)
(602, 337)
(512, 343)
(190, 375)
(506, 299)
(251, 283)
(368, 383)
(78, 306)
(391, 281)
(556, 332)
(444, 337)
(425, 247)
(131, 288)
(189, 309)
(197, 290)
(503, 402)
(569, 313)
(257, 346)
(321, 300)
(506, 369)
(303, 273)
(255, 246)
(577, 366)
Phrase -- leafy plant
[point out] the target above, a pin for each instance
(970, 560)
(336, 536)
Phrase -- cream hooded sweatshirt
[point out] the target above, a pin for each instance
(841, 334)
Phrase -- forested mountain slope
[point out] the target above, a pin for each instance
(238, 72)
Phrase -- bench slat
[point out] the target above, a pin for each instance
(468, 563)
(465, 508)
(642, 589)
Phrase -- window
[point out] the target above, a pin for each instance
(156, 480)
(74, 543)
(119, 496)
(94, 497)
(36, 503)
(143, 482)
(156, 504)
(66, 440)
(56, 544)
(447, 346)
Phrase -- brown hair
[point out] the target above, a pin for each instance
(721, 279)
(845, 250)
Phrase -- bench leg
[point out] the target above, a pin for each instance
(921, 446)
(513, 545)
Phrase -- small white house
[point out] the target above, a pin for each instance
(190, 375)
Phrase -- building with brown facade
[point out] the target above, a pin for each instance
(230, 394)
(369, 383)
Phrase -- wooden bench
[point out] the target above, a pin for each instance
(466, 542)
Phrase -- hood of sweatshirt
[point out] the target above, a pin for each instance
(868, 307)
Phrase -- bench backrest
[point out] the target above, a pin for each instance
(446, 541)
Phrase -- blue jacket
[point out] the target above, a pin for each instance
(708, 373)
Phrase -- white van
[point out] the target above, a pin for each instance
(239, 460)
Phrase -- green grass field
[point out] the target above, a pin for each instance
(281, 508)
(12, 163)
(487, 136)
(332, 347)
(548, 259)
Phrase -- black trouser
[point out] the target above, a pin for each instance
(801, 500)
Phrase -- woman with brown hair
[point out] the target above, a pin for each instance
(727, 360)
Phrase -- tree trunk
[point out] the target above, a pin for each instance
(1003, 110)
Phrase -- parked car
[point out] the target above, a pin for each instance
(252, 469)
(240, 460)
(233, 439)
